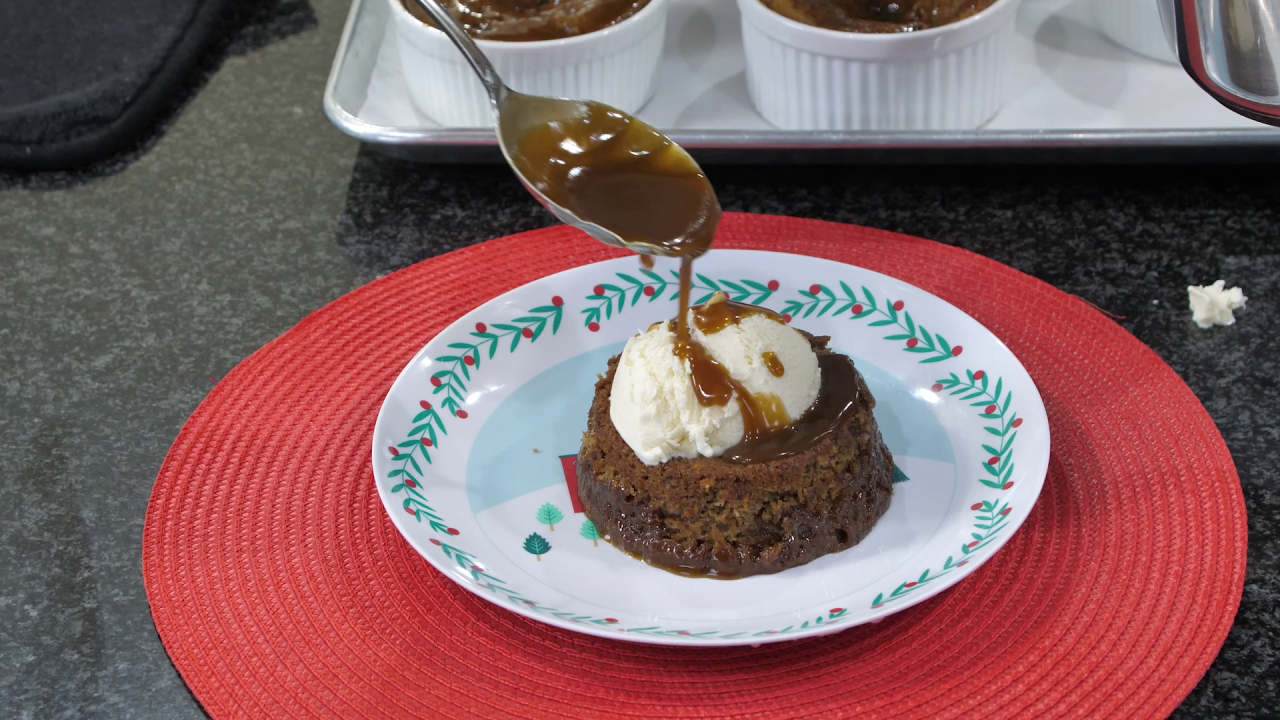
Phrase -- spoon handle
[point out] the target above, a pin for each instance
(445, 21)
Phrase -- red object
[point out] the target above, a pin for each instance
(435, 381)
(426, 441)
(597, 290)
(481, 327)
(976, 506)
(990, 409)
(979, 375)
(857, 309)
(786, 318)
(527, 332)
(1017, 423)
(569, 466)
(648, 291)
(937, 387)
(281, 599)
(815, 289)
(773, 285)
(955, 351)
(557, 300)
(593, 326)
(424, 405)
(468, 360)
(461, 414)
(912, 342)
(898, 305)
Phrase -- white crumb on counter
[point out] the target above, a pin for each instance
(1212, 304)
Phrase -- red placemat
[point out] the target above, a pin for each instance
(281, 589)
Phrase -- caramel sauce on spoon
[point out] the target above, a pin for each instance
(617, 172)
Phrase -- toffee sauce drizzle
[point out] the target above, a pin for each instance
(618, 172)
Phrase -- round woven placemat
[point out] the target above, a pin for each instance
(281, 589)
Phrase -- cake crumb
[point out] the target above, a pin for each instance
(535, 449)
(1212, 304)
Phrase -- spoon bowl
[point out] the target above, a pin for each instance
(520, 114)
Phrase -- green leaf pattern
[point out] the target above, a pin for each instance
(990, 515)
(820, 300)
(651, 285)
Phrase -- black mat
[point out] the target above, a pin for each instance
(80, 79)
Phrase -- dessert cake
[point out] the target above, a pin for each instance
(781, 500)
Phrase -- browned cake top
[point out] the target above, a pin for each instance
(525, 20)
(877, 16)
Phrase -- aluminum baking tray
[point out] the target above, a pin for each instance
(1074, 96)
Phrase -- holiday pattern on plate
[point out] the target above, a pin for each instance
(449, 387)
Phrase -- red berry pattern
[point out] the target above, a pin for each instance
(424, 405)
(557, 301)
(819, 300)
(976, 389)
(773, 285)
(481, 327)
(593, 326)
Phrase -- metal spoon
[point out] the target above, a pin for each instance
(518, 113)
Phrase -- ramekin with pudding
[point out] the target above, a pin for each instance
(875, 64)
(604, 50)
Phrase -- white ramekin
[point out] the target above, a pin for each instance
(615, 66)
(808, 78)
(1134, 24)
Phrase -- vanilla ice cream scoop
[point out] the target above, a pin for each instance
(656, 410)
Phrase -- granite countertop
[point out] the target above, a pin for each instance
(128, 289)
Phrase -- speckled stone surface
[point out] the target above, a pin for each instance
(128, 289)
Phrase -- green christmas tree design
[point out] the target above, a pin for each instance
(549, 514)
(537, 546)
(588, 531)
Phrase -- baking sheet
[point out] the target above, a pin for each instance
(1073, 95)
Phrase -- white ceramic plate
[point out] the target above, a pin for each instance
(475, 446)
